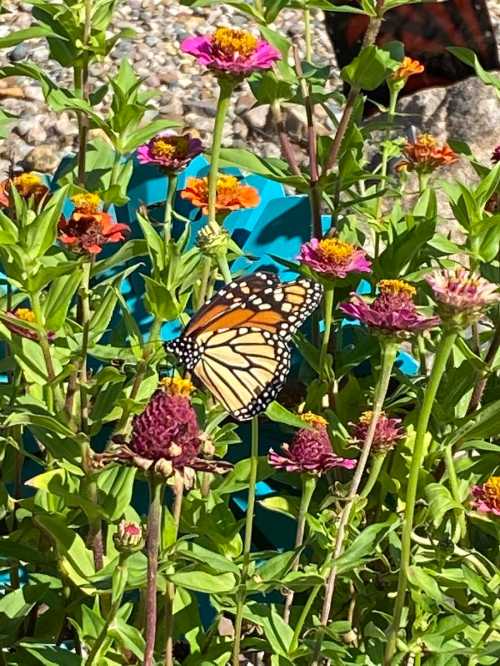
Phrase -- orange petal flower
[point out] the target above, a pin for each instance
(28, 185)
(231, 194)
(425, 155)
(408, 68)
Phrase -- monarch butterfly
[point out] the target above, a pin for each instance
(238, 344)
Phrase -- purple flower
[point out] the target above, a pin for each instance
(462, 294)
(169, 151)
(232, 51)
(495, 157)
(392, 312)
(387, 431)
(334, 258)
(487, 496)
(310, 451)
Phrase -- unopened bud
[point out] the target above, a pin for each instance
(128, 537)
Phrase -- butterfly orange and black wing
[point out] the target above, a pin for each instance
(426, 31)
(238, 344)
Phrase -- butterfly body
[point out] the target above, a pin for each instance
(238, 344)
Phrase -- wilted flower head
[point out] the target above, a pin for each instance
(24, 315)
(232, 52)
(129, 537)
(171, 152)
(495, 157)
(177, 386)
(425, 155)
(392, 312)
(212, 239)
(487, 496)
(408, 68)
(310, 450)
(89, 229)
(231, 194)
(388, 431)
(461, 295)
(28, 185)
(166, 438)
(334, 258)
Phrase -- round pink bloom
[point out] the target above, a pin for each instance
(387, 431)
(309, 451)
(459, 292)
(169, 151)
(232, 51)
(487, 496)
(334, 258)
(496, 155)
(392, 312)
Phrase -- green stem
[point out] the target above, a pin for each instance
(385, 153)
(308, 34)
(169, 201)
(389, 351)
(224, 266)
(438, 369)
(205, 277)
(328, 311)
(455, 490)
(308, 486)
(242, 593)
(153, 540)
(85, 312)
(304, 616)
(170, 595)
(95, 539)
(226, 88)
(54, 392)
(377, 463)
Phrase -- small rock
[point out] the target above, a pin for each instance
(43, 158)
(18, 54)
(258, 117)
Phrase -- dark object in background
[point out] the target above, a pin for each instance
(426, 30)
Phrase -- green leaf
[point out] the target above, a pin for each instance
(370, 68)
(239, 476)
(482, 424)
(199, 580)
(440, 502)
(364, 545)
(470, 58)
(33, 32)
(59, 299)
(116, 484)
(51, 655)
(279, 414)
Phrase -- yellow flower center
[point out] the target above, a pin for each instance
(226, 184)
(492, 488)
(427, 140)
(366, 418)
(313, 419)
(26, 181)
(26, 315)
(336, 250)
(169, 146)
(86, 202)
(397, 288)
(234, 42)
(177, 386)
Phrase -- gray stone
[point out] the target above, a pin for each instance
(18, 54)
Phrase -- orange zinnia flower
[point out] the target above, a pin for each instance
(425, 155)
(28, 185)
(231, 194)
(408, 68)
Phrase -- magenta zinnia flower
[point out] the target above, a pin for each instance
(487, 496)
(387, 431)
(462, 294)
(392, 312)
(310, 451)
(334, 258)
(232, 51)
(496, 155)
(170, 152)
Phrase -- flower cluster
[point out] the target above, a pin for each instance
(231, 52)
(388, 431)
(333, 258)
(310, 450)
(28, 185)
(89, 228)
(461, 295)
(408, 67)
(231, 194)
(486, 497)
(177, 386)
(425, 155)
(170, 152)
(392, 312)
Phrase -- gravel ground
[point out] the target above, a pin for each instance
(39, 137)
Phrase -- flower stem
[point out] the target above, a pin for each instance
(308, 486)
(85, 315)
(328, 308)
(294, 643)
(377, 463)
(169, 201)
(389, 351)
(226, 88)
(438, 369)
(242, 593)
(455, 490)
(170, 595)
(205, 277)
(308, 34)
(153, 540)
(385, 153)
(286, 146)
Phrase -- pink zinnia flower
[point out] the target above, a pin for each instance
(232, 51)
(496, 155)
(462, 294)
(392, 312)
(487, 496)
(310, 451)
(387, 431)
(334, 258)
(169, 151)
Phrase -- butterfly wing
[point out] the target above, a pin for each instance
(238, 344)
